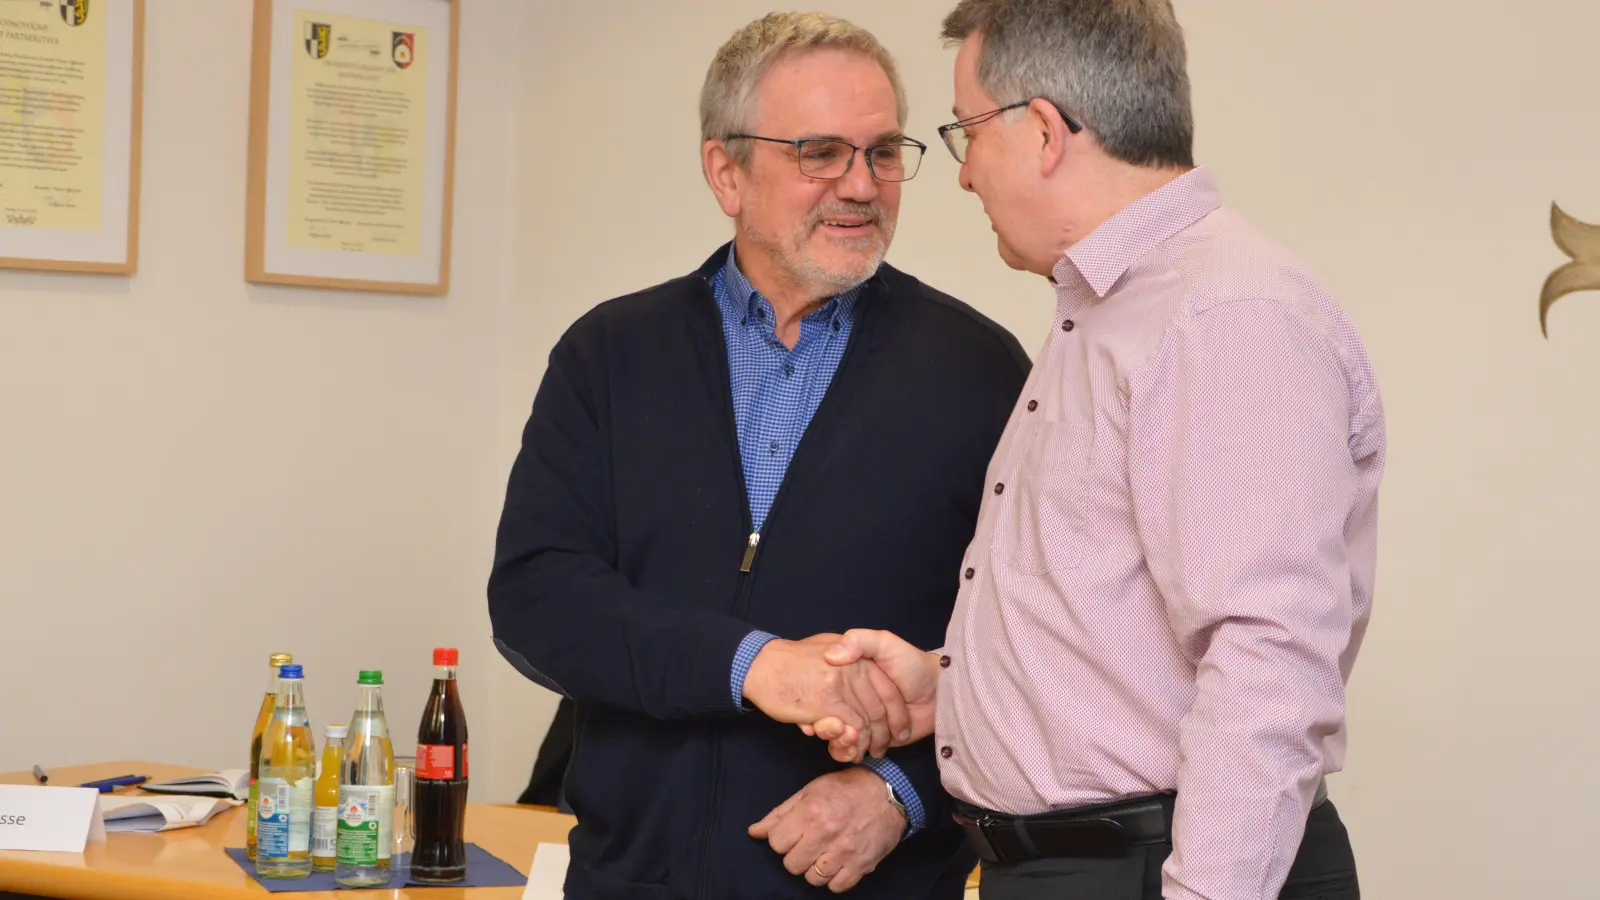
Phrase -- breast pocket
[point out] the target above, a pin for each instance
(1043, 519)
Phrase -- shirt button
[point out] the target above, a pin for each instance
(947, 751)
(944, 662)
(788, 370)
(836, 326)
(1068, 325)
(999, 489)
(773, 446)
(970, 572)
(1033, 405)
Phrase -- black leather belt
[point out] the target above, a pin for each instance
(1087, 832)
(1108, 830)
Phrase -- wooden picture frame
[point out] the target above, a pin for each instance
(58, 210)
(344, 192)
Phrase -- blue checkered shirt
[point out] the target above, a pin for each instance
(776, 391)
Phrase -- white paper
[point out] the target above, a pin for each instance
(138, 813)
(548, 873)
(59, 819)
(229, 781)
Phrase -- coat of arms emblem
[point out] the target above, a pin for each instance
(74, 12)
(318, 34)
(403, 45)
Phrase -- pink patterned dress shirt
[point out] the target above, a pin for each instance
(1173, 565)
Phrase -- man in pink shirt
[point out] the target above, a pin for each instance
(1143, 683)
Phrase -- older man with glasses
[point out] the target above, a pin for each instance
(723, 473)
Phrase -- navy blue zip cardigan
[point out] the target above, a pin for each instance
(618, 574)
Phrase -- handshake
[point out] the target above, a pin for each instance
(862, 692)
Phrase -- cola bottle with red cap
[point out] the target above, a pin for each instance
(439, 813)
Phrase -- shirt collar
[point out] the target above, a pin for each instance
(836, 312)
(1122, 240)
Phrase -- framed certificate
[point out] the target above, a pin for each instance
(352, 144)
(71, 76)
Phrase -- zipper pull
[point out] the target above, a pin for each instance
(750, 552)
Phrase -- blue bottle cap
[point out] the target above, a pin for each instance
(291, 670)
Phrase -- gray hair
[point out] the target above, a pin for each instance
(728, 98)
(1118, 65)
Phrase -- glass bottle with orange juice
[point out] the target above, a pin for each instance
(325, 815)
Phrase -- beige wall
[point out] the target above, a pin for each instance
(194, 471)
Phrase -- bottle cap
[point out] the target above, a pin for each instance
(336, 732)
(280, 659)
(370, 676)
(291, 671)
(445, 656)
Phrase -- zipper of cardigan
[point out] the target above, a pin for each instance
(747, 578)
(703, 883)
(742, 597)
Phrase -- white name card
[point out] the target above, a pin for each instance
(62, 819)
(548, 875)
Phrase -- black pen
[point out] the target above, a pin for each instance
(40, 775)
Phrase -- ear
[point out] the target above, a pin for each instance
(723, 175)
(1046, 121)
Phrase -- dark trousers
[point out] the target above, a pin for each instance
(1324, 869)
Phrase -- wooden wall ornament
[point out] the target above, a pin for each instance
(1581, 242)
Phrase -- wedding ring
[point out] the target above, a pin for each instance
(817, 868)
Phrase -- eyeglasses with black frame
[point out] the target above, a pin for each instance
(955, 134)
(829, 159)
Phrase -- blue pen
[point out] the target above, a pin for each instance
(106, 785)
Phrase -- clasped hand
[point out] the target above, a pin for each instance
(863, 692)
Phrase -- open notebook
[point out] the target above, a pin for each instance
(130, 812)
(234, 783)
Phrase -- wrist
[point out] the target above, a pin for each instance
(892, 808)
(759, 674)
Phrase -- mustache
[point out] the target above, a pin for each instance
(870, 211)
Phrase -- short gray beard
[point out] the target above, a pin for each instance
(809, 274)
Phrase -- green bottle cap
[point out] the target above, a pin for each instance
(370, 676)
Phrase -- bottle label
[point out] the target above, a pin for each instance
(272, 819)
(366, 816)
(437, 762)
(283, 818)
(323, 844)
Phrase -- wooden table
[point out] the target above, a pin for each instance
(188, 864)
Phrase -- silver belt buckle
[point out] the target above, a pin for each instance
(978, 832)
